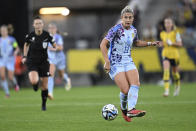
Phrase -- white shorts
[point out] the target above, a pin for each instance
(115, 69)
(8, 63)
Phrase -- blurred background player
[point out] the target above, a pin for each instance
(19, 72)
(36, 57)
(119, 64)
(8, 50)
(57, 60)
(171, 42)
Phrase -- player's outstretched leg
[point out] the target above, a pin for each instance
(44, 93)
(123, 101)
(6, 88)
(66, 79)
(166, 76)
(50, 87)
(176, 77)
(133, 77)
(166, 82)
(16, 86)
(4, 81)
(132, 101)
(34, 79)
(13, 80)
(122, 83)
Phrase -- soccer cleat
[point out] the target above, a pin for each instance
(43, 107)
(166, 93)
(177, 91)
(135, 113)
(17, 88)
(7, 96)
(68, 85)
(50, 96)
(124, 114)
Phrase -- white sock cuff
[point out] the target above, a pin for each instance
(135, 86)
(122, 94)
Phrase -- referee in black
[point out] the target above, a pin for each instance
(36, 57)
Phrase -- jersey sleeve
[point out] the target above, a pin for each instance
(110, 35)
(136, 38)
(27, 39)
(14, 43)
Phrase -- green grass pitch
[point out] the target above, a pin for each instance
(80, 110)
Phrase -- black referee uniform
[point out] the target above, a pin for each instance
(37, 58)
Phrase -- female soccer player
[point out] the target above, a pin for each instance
(36, 57)
(119, 64)
(57, 60)
(8, 50)
(171, 41)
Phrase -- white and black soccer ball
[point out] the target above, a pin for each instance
(109, 112)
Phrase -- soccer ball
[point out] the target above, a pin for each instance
(109, 112)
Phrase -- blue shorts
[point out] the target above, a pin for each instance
(58, 62)
(115, 69)
(8, 63)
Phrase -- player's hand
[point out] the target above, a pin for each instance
(157, 43)
(107, 66)
(169, 42)
(24, 60)
(52, 49)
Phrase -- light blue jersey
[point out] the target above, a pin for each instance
(7, 46)
(57, 57)
(119, 53)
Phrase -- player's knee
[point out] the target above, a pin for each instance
(34, 81)
(10, 78)
(2, 77)
(125, 91)
(44, 86)
(137, 83)
(51, 74)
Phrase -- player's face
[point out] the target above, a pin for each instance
(4, 31)
(38, 24)
(168, 24)
(127, 19)
(52, 29)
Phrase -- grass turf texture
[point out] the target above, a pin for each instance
(80, 110)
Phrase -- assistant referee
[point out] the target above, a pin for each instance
(36, 57)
